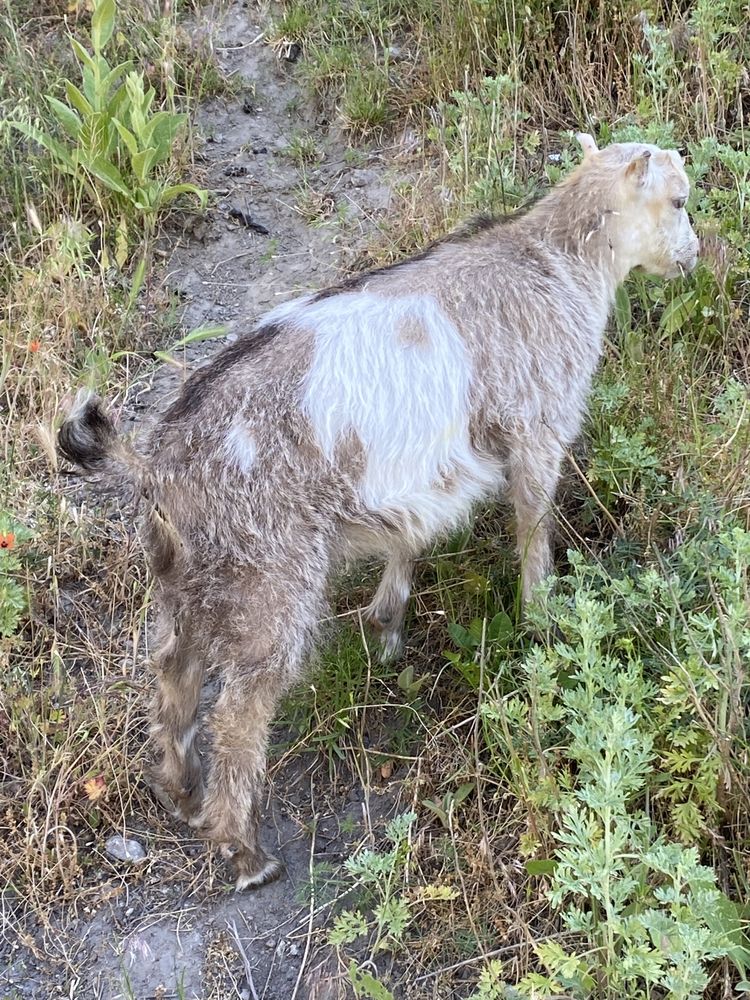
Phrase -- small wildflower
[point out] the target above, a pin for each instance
(34, 346)
(95, 788)
(7, 540)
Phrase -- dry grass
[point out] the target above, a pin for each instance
(74, 691)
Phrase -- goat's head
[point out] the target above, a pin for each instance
(649, 190)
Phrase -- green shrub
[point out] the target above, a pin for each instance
(111, 142)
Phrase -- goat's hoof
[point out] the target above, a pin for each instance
(255, 869)
(391, 647)
(183, 802)
(170, 801)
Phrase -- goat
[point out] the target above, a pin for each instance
(368, 419)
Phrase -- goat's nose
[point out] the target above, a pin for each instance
(688, 264)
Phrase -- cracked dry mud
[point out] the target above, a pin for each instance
(180, 931)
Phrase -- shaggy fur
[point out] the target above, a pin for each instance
(368, 420)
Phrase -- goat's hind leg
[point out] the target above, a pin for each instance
(232, 807)
(389, 605)
(179, 667)
(262, 638)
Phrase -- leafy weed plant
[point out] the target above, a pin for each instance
(116, 146)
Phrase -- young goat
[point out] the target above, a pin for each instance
(368, 419)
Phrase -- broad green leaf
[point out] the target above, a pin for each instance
(623, 313)
(461, 636)
(438, 809)
(111, 78)
(102, 23)
(52, 145)
(501, 627)
(730, 919)
(161, 130)
(89, 88)
(117, 106)
(678, 311)
(76, 98)
(142, 162)
(170, 193)
(149, 100)
(67, 118)
(83, 55)
(127, 137)
(544, 866)
(110, 176)
(461, 792)
(103, 69)
(407, 682)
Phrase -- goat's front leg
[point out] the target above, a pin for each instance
(534, 472)
(388, 608)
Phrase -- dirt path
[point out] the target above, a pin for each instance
(178, 930)
(233, 274)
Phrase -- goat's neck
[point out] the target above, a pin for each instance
(586, 232)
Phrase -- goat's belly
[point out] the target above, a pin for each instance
(420, 508)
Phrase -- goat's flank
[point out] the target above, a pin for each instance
(365, 420)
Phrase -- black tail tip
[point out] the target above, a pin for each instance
(87, 435)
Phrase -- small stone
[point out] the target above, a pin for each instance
(124, 849)
(361, 178)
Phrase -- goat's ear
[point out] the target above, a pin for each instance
(637, 169)
(588, 145)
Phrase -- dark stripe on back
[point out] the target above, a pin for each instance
(468, 231)
(202, 383)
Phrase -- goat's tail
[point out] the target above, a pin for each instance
(88, 438)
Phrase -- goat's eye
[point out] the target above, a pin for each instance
(679, 202)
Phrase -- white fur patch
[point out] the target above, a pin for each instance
(270, 870)
(407, 403)
(186, 740)
(240, 446)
